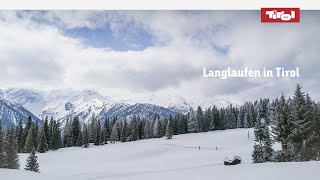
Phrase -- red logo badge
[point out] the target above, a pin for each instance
(276, 15)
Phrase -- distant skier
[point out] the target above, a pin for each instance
(216, 148)
(199, 147)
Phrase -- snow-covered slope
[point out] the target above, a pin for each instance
(12, 174)
(179, 158)
(12, 113)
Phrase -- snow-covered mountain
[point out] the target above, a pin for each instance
(63, 104)
(12, 113)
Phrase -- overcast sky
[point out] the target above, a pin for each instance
(122, 53)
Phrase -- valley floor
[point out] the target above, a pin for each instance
(158, 159)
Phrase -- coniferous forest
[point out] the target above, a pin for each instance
(292, 121)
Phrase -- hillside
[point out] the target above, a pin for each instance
(12, 113)
(179, 158)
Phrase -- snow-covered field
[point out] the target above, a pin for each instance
(159, 159)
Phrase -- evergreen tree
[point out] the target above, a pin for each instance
(35, 137)
(75, 130)
(124, 131)
(309, 146)
(133, 129)
(140, 128)
(157, 128)
(43, 145)
(148, 130)
(169, 130)
(192, 121)
(263, 145)
(91, 129)
(107, 129)
(79, 140)
(301, 122)
(281, 127)
(2, 143)
(257, 155)
(11, 151)
(102, 137)
(97, 130)
(115, 133)
(32, 162)
(30, 139)
(267, 143)
(26, 131)
(56, 136)
(52, 125)
(200, 119)
(20, 137)
(46, 130)
(85, 140)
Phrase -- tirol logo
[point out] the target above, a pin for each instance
(280, 15)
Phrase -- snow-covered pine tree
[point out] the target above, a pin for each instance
(263, 144)
(124, 131)
(30, 139)
(200, 119)
(115, 133)
(2, 143)
(163, 123)
(267, 143)
(280, 129)
(11, 151)
(43, 145)
(192, 121)
(309, 148)
(315, 138)
(257, 155)
(32, 162)
(301, 122)
(157, 128)
(147, 130)
(67, 134)
(169, 130)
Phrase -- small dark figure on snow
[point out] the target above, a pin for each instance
(199, 147)
(216, 148)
